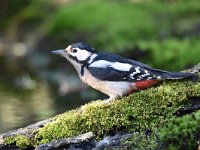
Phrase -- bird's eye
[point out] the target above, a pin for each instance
(74, 50)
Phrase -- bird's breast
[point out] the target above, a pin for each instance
(111, 88)
(92, 81)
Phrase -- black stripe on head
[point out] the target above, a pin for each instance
(83, 63)
(84, 46)
(74, 58)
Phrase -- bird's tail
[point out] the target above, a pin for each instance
(179, 75)
(175, 75)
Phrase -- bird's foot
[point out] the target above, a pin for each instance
(108, 101)
(111, 99)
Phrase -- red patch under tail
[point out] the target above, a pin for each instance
(141, 85)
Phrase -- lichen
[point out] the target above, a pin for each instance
(148, 109)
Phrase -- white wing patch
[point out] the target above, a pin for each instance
(100, 64)
(121, 66)
(116, 65)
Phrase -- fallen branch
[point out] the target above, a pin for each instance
(149, 109)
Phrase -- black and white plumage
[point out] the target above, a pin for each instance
(112, 74)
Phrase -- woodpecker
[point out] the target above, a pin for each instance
(113, 74)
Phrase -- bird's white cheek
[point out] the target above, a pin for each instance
(82, 55)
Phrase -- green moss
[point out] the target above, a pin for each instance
(148, 109)
(178, 133)
(139, 141)
(21, 141)
(10, 140)
(181, 132)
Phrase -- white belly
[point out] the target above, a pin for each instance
(112, 88)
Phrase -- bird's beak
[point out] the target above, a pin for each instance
(59, 52)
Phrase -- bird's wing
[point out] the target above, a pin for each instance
(120, 71)
(112, 67)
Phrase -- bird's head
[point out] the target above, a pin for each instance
(79, 53)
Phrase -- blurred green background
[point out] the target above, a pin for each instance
(35, 84)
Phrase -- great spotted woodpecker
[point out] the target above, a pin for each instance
(112, 74)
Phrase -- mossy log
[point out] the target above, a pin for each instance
(153, 110)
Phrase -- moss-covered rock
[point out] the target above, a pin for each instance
(151, 109)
